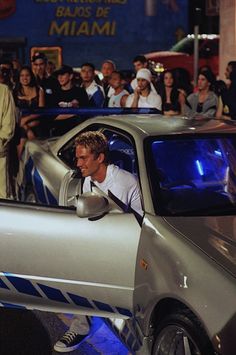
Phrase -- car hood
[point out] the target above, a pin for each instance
(215, 236)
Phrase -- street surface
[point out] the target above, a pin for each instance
(34, 333)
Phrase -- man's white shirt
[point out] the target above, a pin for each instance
(120, 183)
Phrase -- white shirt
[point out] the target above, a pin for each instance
(153, 100)
(114, 100)
(120, 183)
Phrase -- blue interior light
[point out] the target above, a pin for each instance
(199, 167)
(218, 153)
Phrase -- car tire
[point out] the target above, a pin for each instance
(181, 333)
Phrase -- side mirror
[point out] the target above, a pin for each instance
(91, 205)
(70, 188)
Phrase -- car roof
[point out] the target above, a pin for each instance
(144, 125)
(152, 125)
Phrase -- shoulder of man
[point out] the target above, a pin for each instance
(121, 175)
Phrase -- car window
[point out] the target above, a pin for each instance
(209, 48)
(184, 46)
(121, 151)
(194, 176)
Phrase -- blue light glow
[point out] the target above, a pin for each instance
(218, 153)
(199, 167)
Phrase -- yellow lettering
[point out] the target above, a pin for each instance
(56, 29)
(83, 29)
(60, 11)
(73, 28)
(102, 11)
(100, 29)
(77, 11)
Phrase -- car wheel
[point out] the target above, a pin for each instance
(181, 333)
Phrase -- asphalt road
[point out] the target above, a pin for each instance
(34, 333)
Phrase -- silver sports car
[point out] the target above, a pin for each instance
(170, 275)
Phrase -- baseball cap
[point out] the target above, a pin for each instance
(39, 55)
(144, 74)
(63, 70)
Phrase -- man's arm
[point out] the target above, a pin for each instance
(8, 117)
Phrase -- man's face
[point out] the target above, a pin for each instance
(203, 83)
(139, 65)
(86, 161)
(107, 69)
(64, 79)
(115, 81)
(87, 74)
(143, 84)
(39, 67)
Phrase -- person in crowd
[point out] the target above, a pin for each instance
(51, 67)
(68, 95)
(206, 68)
(173, 100)
(16, 69)
(49, 84)
(140, 62)
(27, 94)
(107, 68)
(119, 97)
(94, 91)
(182, 80)
(7, 124)
(143, 96)
(227, 103)
(92, 160)
(6, 78)
(231, 66)
(203, 103)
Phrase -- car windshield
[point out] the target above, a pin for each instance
(207, 47)
(193, 176)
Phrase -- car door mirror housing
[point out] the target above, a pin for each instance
(91, 205)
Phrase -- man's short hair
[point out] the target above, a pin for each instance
(90, 65)
(140, 58)
(39, 55)
(110, 62)
(95, 141)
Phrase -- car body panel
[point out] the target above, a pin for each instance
(178, 267)
(138, 270)
(70, 262)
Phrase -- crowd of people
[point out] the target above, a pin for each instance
(170, 93)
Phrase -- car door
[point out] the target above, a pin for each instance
(51, 259)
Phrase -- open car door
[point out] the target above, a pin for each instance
(52, 259)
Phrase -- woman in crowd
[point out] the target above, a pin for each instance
(227, 102)
(173, 100)
(27, 95)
